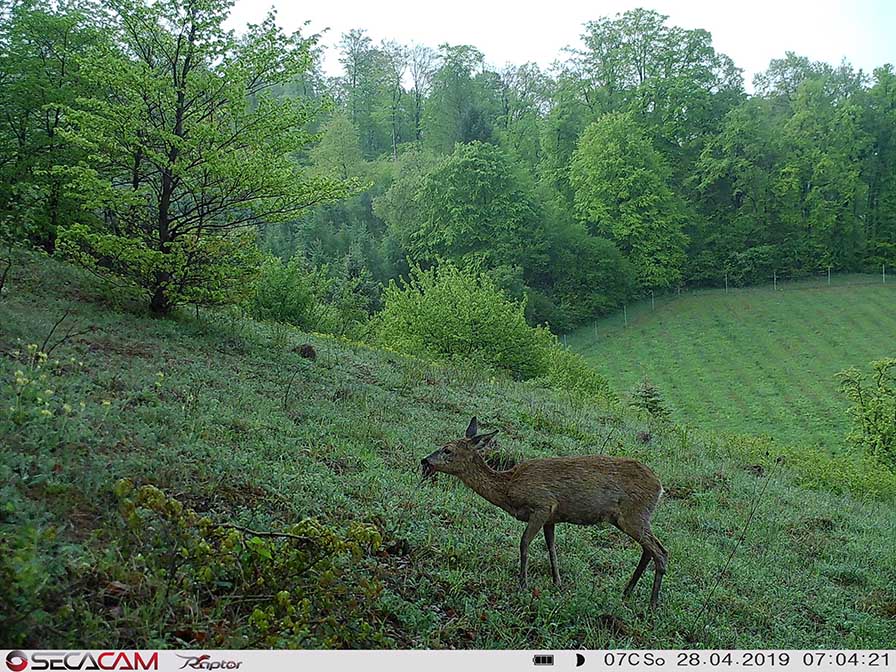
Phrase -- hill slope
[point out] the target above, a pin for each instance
(754, 361)
(242, 429)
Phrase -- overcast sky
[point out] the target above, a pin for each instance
(750, 31)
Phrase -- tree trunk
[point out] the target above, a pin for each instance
(160, 304)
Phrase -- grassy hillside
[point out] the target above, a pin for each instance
(755, 361)
(224, 416)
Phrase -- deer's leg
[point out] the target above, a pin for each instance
(552, 551)
(660, 558)
(537, 519)
(642, 565)
(639, 530)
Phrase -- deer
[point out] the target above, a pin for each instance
(583, 490)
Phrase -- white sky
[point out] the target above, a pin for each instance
(751, 32)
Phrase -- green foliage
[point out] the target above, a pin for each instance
(204, 270)
(284, 293)
(311, 299)
(460, 315)
(310, 581)
(646, 397)
(40, 58)
(458, 109)
(476, 206)
(622, 193)
(592, 277)
(873, 410)
(176, 155)
(569, 371)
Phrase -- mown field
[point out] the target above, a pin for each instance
(753, 361)
(221, 414)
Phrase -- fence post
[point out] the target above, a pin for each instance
(625, 314)
(883, 272)
(775, 279)
(726, 283)
(564, 340)
(595, 330)
(829, 275)
(652, 301)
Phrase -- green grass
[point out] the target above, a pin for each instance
(751, 361)
(226, 432)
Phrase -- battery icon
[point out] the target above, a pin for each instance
(543, 659)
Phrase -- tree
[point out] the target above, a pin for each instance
(475, 204)
(880, 166)
(398, 206)
(362, 88)
(455, 111)
(621, 193)
(186, 146)
(524, 98)
(422, 66)
(338, 153)
(40, 76)
(395, 61)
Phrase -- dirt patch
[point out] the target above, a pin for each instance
(128, 349)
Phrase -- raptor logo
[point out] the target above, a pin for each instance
(204, 662)
(16, 661)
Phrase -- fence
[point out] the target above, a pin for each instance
(777, 282)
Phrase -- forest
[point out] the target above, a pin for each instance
(186, 163)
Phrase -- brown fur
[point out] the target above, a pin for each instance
(306, 351)
(579, 490)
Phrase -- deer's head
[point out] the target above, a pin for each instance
(457, 456)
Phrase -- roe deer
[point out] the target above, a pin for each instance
(579, 490)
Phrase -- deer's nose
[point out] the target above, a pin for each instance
(424, 461)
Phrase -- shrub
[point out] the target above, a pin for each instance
(312, 300)
(752, 265)
(283, 293)
(307, 586)
(565, 370)
(453, 314)
(873, 410)
(646, 397)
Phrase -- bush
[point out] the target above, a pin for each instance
(283, 293)
(646, 397)
(309, 586)
(565, 370)
(311, 300)
(453, 314)
(753, 265)
(873, 410)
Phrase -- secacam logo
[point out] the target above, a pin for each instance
(205, 662)
(16, 661)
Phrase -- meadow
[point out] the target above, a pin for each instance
(222, 415)
(752, 360)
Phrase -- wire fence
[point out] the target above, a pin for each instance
(819, 280)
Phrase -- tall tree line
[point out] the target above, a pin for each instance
(638, 162)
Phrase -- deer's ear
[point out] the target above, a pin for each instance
(482, 441)
(472, 428)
